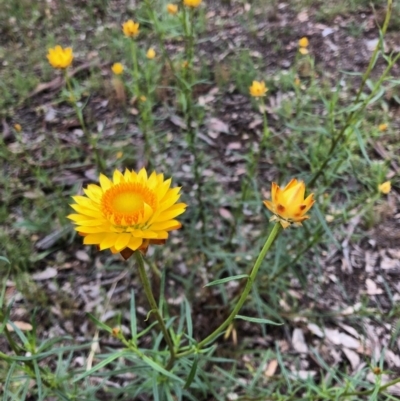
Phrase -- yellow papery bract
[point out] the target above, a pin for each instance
(288, 204)
(128, 212)
(59, 57)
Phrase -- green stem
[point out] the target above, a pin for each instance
(159, 34)
(154, 308)
(135, 64)
(356, 112)
(91, 142)
(250, 280)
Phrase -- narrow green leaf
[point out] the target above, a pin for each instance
(133, 316)
(361, 144)
(100, 365)
(226, 279)
(4, 259)
(38, 380)
(160, 369)
(322, 220)
(257, 320)
(99, 323)
(188, 318)
(192, 372)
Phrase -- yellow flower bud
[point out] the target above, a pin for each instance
(17, 127)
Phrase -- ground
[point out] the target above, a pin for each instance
(333, 284)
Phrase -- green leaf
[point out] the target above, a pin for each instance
(99, 324)
(160, 369)
(257, 320)
(226, 279)
(4, 259)
(101, 365)
(192, 372)
(133, 316)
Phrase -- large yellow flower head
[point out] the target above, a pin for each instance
(59, 57)
(127, 213)
(258, 89)
(192, 3)
(130, 28)
(288, 204)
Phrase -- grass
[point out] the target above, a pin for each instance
(227, 176)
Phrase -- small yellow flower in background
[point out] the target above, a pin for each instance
(185, 64)
(127, 213)
(130, 28)
(297, 81)
(59, 57)
(258, 89)
(151, 53)
(143, 98)
(117, 68)
(172, 8)
(303, 42)
(192, 3)
(288, 204)
(383, 127)
(115, 331)
(119, 154)
(385, 188)
(17, 127)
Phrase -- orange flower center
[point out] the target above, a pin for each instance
(125, 203)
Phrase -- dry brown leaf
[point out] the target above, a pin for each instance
(21, 325)
(271, 368)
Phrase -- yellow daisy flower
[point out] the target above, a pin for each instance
(385, 188)
(59, 57)
(117, 68)
(288, 204)
(127, 213)
(151, 53)
(172, 8)
(130, 28)
(258, 89)
(303, 42)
